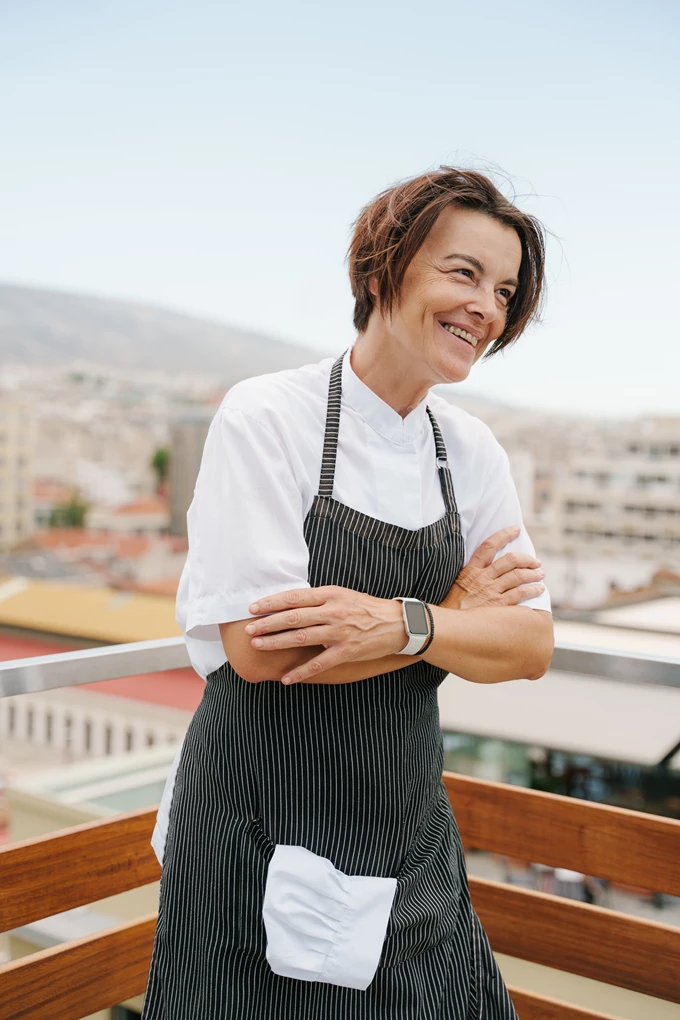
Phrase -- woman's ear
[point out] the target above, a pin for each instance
(373, 286)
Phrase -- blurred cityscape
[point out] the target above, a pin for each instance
(98, 458)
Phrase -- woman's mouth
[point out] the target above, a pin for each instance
(462, 333)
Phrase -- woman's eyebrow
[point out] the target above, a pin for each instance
(479, 266)
(466, 258)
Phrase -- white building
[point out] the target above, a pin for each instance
(621, 497)
(16, 471)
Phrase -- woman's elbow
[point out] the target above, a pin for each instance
(542, 650)
(250, 673)
(251, 665)
(254, 668)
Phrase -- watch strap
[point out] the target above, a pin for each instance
(416, 642)
(430, 638)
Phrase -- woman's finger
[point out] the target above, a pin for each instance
(295, 639)
(288, 620)
(513, 561)
(484, 554)
(514, 596)
(516, 578)
(310, 670)
(295, 598)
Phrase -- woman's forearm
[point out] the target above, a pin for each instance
(492, 644)
(486, 645)
(483, 645)
(256, 666)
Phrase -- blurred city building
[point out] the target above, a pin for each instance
(149, 515)
(622, 493)
(100, 558)
(16, 470)
(48, 494)
(188, 433)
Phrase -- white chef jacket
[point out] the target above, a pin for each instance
(258, 477)
(260, 472)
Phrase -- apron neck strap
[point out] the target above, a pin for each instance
(330, 443)
(330, 439)
(445, 479)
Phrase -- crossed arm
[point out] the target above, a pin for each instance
(335, 635)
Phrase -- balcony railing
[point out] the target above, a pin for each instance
(38, 877)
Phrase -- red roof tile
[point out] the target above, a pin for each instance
(148, 505)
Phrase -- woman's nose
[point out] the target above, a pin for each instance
(483, 304)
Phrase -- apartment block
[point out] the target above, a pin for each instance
(622, 495)
(17, 452)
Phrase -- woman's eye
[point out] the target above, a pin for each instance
(505, 293)
(466, 272)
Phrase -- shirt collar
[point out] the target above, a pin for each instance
(376, 413)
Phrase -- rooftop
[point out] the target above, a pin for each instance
(148, 505)
(95, 614)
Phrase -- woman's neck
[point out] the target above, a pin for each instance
(387, 369)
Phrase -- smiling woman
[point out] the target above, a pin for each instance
(352, 539)
(392, 230)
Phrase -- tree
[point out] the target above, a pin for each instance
(70, 514)
(160, 464)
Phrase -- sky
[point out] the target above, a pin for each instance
(211, 158)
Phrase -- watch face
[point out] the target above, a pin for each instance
(416, 617)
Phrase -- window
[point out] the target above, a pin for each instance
(108, 739)
(129, 740)
(30, 718)
(11, 718)
(48, 728)
(150, 740)
(88, 735)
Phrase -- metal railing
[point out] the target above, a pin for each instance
(110, 662)
(90, 665)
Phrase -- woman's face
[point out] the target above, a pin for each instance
(455, 294)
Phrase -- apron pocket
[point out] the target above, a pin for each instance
(323, 925)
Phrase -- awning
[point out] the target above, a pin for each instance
(637, 723)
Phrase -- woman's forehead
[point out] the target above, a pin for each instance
(469, 232)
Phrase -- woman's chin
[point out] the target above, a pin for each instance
(455, 371)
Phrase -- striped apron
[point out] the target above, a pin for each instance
(352, 773)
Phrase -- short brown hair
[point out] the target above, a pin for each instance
(391, 229)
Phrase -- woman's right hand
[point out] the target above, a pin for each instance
(507, 581)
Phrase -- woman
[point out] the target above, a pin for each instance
(312, 868)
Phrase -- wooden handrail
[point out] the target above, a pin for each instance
(594, 942)
(538, 1007)
(80, 977)
(101, 970)
(38, 877)
(623, 846)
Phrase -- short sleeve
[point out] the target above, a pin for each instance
(245, 525)
(498, 508)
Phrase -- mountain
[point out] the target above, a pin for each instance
(53, 327)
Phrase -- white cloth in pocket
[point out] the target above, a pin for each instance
(323, 925)
(160, 831)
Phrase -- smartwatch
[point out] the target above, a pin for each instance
(416, 624)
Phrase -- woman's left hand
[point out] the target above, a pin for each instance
(349, 625)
